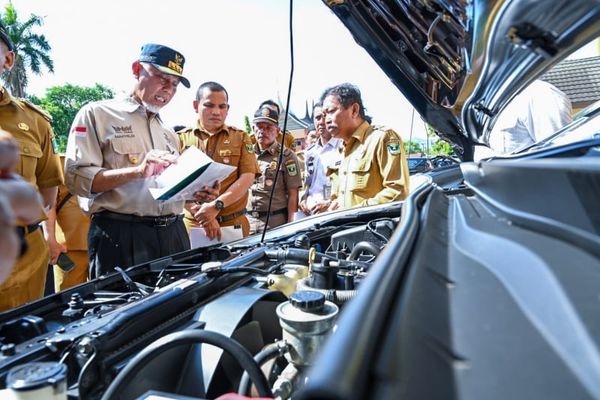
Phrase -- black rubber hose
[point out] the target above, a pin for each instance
(270, 352)
(337, 296)
(236, 350)
(363, 246)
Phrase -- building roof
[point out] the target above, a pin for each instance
(578, 79)
(294, 122)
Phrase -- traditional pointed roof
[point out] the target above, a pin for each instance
(294, 122)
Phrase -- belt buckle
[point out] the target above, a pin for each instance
(161, 221)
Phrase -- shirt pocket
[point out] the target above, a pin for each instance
(126, 153)
(30, 156)
(359, 172)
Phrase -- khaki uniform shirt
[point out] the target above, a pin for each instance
(115, 134)
(229, 146)
(289, 177)
(30, 126)
(374, 169)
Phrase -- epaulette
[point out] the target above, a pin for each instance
(184, 130)
(382, 128)
(236, 129)
(37, 109)
(286, 151)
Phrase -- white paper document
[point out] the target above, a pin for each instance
(193, 170)
(198, 236)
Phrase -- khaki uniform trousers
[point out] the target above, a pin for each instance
(28, 278)
(258, 224)
(190, 222)
(78, 275)
(73, 225)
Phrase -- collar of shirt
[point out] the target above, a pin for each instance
(131, 105)
(273, 149)
(5, 97)
(358, 135)
(204, 134)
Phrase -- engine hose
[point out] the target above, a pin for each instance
(337, 296)
(270, 352)
(293, 256)
(236, 350)
(363, 246)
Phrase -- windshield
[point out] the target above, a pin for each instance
(585, 125)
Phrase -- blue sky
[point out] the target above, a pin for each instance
(243, 44)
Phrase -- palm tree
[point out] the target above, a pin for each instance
(31, 50)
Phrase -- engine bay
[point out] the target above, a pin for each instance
(277, 300)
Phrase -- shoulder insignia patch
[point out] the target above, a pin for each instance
(393, 148)
(291, 168)
(249, 148)
(37, 109)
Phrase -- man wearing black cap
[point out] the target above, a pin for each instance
(39, 165)
(115, 149)
(288, 182)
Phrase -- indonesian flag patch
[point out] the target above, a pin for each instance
(80, 131)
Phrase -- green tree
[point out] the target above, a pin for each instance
(63, 103)
(247, 124)
(31, 50)
(439, 147)
(412, 147)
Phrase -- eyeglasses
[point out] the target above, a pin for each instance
(164, 79)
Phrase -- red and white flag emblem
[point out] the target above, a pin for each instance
(80, 131)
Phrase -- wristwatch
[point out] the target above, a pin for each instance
(219, 205)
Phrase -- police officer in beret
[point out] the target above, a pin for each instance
(115, 149)
(227, 145)
(285, 197)
(40, 166)
(374, 169)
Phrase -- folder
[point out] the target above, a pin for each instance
(193, 170)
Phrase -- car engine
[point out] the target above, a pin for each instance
(189, 324)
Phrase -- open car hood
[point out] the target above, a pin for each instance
(459, 62)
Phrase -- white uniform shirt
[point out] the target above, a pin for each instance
(318, 159)
(116, 134)
(534, 114)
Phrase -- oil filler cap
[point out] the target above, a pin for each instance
(35, 375)
(308, 300)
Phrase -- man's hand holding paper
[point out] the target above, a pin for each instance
(192, 177)
(155, 162)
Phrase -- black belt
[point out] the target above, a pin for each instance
(163, 220)
(260, 214)
(229, 217)
(25, 230)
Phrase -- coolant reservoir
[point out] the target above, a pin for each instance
(286, 282)
(36, 381)
(307, 319)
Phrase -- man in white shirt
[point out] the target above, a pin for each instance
(534, 114)
(323, 154)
